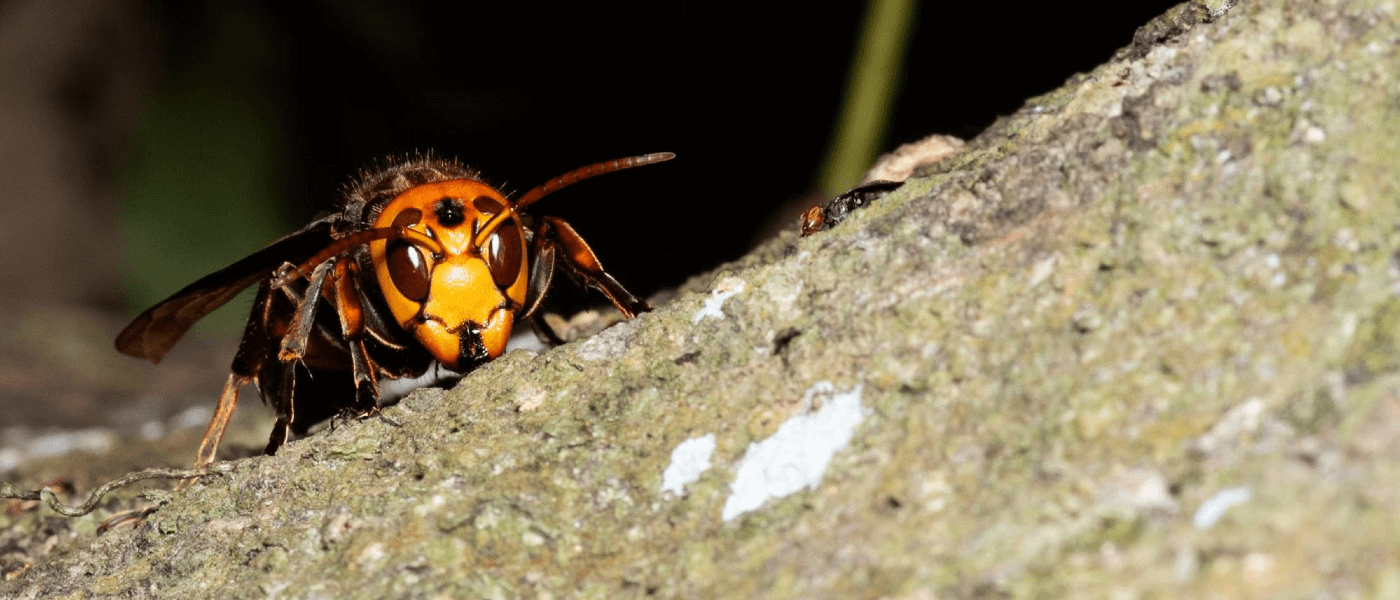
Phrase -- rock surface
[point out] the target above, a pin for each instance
(1138, 339)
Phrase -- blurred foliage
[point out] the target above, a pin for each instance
(859, 136)
(205, 180)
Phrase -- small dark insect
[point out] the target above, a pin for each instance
(422, 263)
(819, 218)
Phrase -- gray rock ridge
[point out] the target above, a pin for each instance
(1138, 339)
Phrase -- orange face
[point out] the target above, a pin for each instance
(458, 299)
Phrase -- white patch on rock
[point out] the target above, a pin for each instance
(724, 290)
(1042, 270)
(431, 506)
(609, 343)
(1242, 419)
(688, 461)
(372, 555)
(797, 454)
(784, 289)
(1137, 491)
(529, 398)
(1210, 511)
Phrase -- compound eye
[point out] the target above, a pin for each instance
(408, 269)
(504, 252)
(487, 205)
(408, 216)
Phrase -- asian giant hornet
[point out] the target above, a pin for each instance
(422, 262)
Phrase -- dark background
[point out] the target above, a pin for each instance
(152, 143)
(747, 99)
